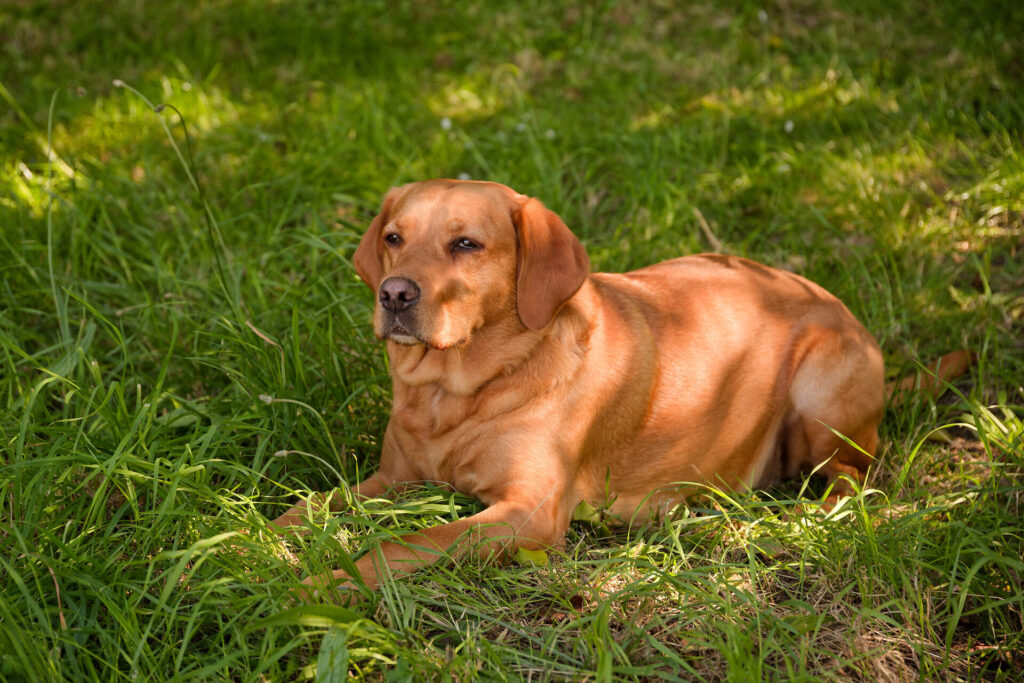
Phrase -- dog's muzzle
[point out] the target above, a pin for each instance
(398, 297)
(398, 294)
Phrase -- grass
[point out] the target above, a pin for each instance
(177, 365)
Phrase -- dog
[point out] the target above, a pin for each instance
(526, 381)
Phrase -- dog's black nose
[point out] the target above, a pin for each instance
(398, 293)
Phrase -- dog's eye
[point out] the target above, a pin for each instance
(464, 244)
(393, 239)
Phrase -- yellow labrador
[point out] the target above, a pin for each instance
(530, 383)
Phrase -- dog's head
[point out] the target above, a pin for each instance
(448, 257)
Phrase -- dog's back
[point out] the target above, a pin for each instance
(723, 372)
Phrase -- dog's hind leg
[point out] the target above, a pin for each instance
(836, 399)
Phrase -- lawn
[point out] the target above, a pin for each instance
(185, 348)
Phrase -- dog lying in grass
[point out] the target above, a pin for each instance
(532, 384)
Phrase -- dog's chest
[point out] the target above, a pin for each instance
(438, 433)
(428, 413)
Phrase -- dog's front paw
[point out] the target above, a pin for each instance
(294, 521)
(337, 588)
(319, 506)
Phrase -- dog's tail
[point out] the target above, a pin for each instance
(932, 380)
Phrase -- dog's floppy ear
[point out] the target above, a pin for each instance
(552, 264)
(368, 253)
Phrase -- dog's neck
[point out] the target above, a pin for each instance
(497, 370)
